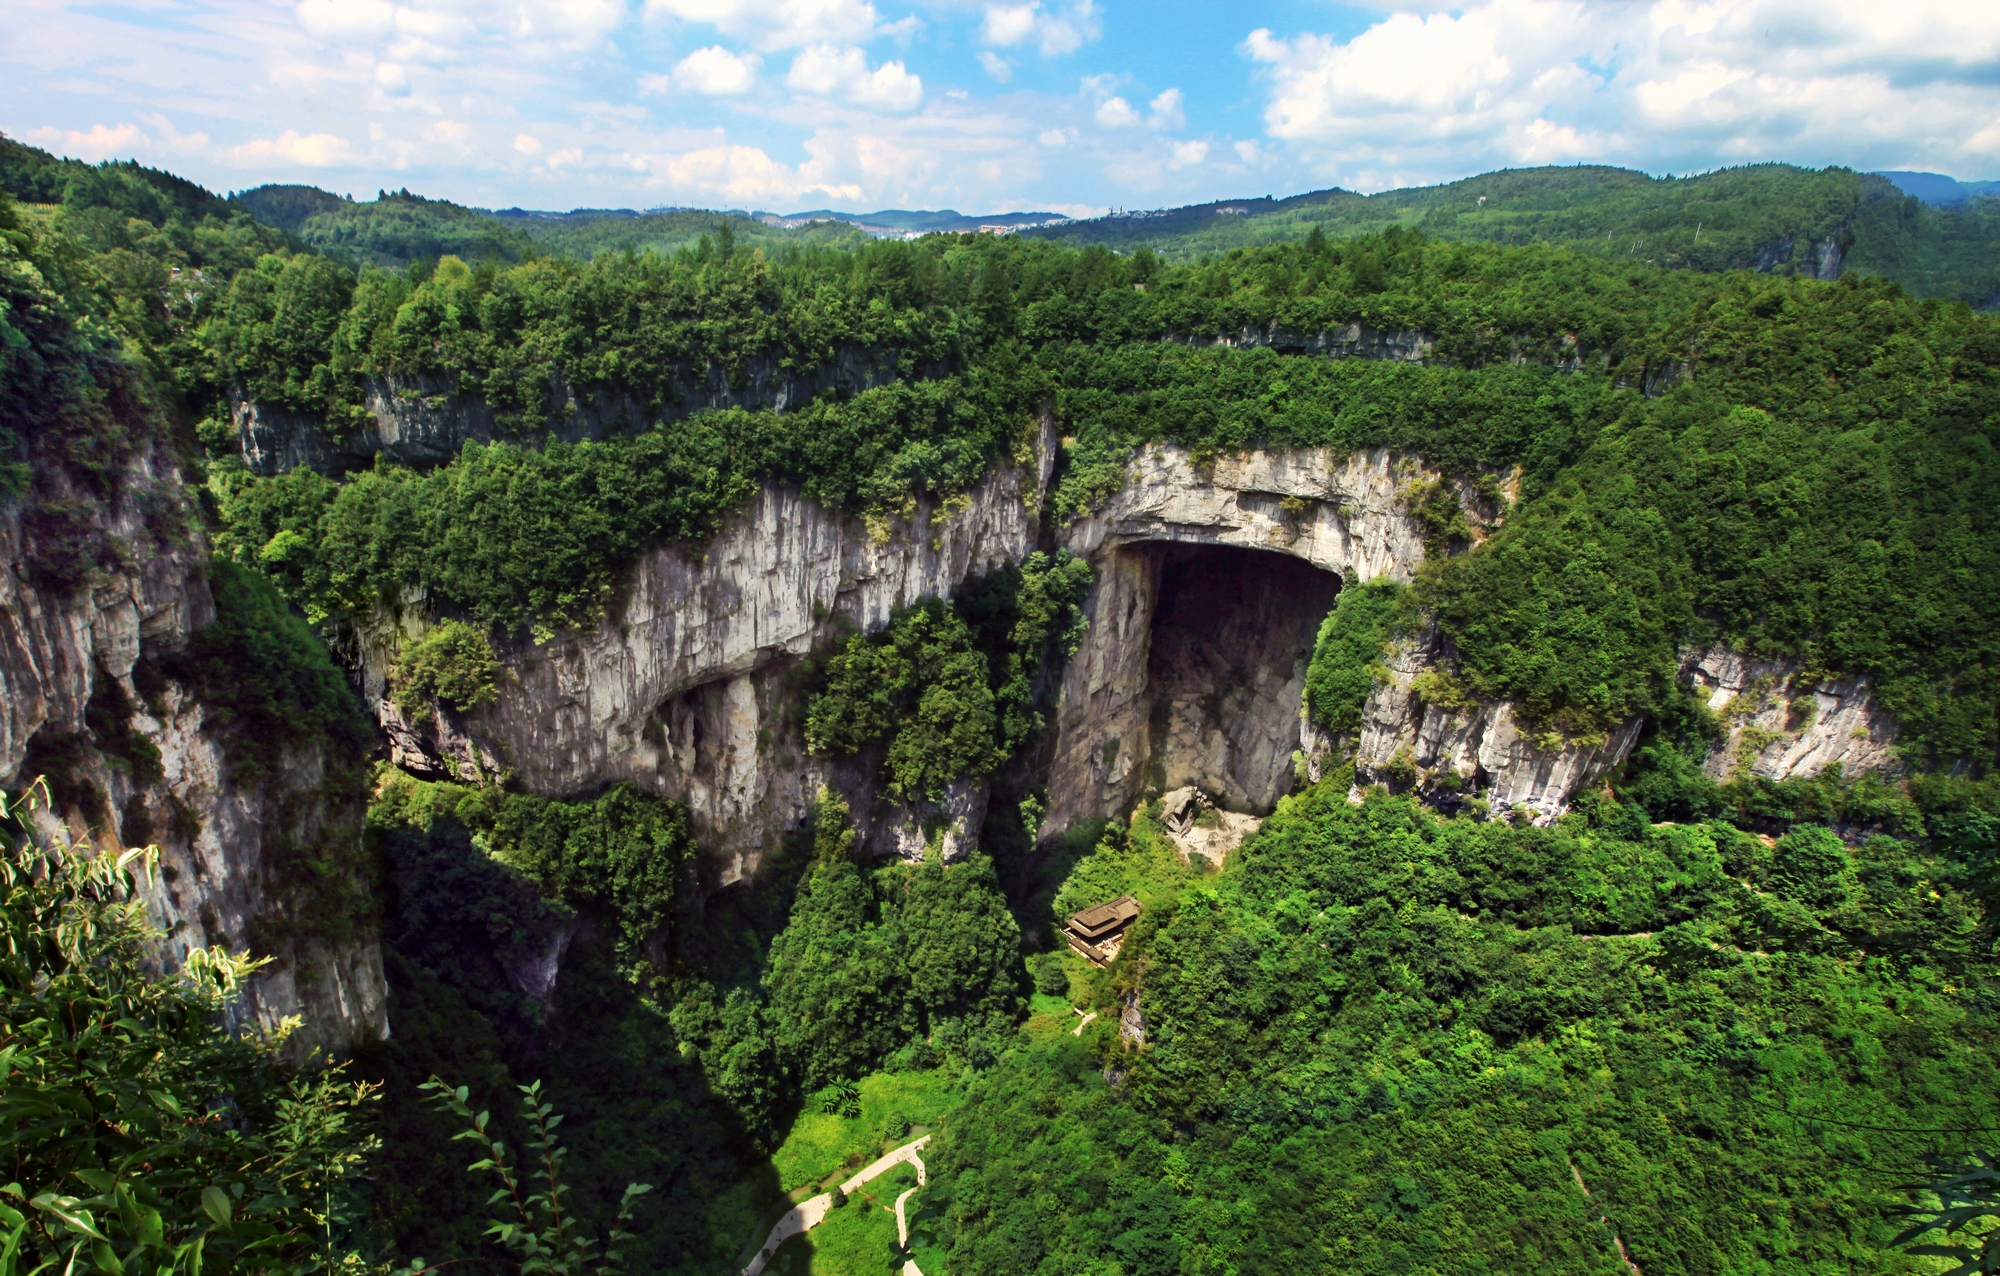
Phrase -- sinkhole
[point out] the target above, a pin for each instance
(1231, 636)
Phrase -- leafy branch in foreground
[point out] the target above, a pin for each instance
(544, 1236)
(1968, 1193)
(137, 1134)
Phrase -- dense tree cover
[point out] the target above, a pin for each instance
(1347, 655)
(1623, 547)
(398, 229)
(395, 228)
(678, 1040)
(1772, 217)
(1385, 1041)
(524, 537)
(952, 689)
(452, 663)
(137, 1132)
(668, 233)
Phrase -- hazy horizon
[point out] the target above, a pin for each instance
(1072, 106)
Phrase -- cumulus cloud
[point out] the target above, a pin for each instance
(1054, 34)
(711, 72)
(1675, 82)
(827, 71)
(1116, 112)
(309, 150)
(1164, 112)
(119, 141)
(996, 66)
(740, 175)
(1188, 154)
(783, 24)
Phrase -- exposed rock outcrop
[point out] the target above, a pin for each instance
(1779, 727)
(688, 685)
(67, 663)
(1449, 750)
(1341, 514)
(1210, 581)
(423, 421)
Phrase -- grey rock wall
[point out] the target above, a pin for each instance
(690, 684)
(217, 882)
(1779, 726)
(1457, 749)
(422, 421)
(1338, 513)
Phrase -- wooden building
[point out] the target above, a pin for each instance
(1097, 931)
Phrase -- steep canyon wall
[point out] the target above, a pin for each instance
(137, 765)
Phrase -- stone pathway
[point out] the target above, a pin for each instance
(808, 1214)
(1078, 1030)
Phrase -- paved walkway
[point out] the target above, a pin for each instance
(808, 1214)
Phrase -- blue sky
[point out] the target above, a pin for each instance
(1071, 105)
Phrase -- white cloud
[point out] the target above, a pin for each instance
(711, 72)
(1188, 154)
(1055, 34)
(347, 19)
(527, 144)
(1165, 111)
(1056, 137)
(1116, 112)
(98, 142)
(827, 71)
(1668, 84)
(996, 66)
(740, 175)
(783, 24)
(119, 141)
(311, 150)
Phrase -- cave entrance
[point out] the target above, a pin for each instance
(1232, 635)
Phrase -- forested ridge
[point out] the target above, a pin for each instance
(1701, 1027)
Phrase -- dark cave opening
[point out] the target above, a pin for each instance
(1232, 635)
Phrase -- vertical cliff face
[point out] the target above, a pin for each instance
(1186, 693)
(1210, 582)
(424, 421)
(1447, 750)
(133, 758)
(1778, 725)
(690, 684)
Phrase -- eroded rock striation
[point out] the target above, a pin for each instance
(133, 768)
(1211, 578)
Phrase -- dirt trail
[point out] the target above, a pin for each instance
(808, 1214)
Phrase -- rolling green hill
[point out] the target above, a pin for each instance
(1767, 216)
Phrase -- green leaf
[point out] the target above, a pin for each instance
(215, 1202)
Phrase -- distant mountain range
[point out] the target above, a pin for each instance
(1939, 190)
(1937, 236)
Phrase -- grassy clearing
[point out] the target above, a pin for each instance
(856, 1239)
(822, 1145)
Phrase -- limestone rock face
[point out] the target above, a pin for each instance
(688, 687)
(422, 420)
(221, 839)
(1127, 721)
(1780, 727)
(1452, 749)
(1210, 582)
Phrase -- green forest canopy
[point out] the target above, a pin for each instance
(1791, 467)
(1764, 216)
(1380, 1040)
